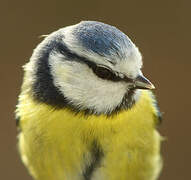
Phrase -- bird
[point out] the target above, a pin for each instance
(86, 111)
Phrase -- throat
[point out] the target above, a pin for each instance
(128, 101)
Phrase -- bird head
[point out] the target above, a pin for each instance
(90, 66)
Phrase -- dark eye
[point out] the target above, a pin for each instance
(103, 73)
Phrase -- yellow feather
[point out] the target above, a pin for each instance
(55, 144)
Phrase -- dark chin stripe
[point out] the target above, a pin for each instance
(96, 154)
(127, 102)
(43, 88)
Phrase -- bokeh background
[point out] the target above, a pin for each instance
(160, 29)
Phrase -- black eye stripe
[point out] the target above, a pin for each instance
(100, 71)
(106, 73)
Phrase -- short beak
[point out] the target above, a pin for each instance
(142, 82)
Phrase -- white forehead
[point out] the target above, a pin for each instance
(129, 64)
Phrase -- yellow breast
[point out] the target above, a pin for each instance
(58, 144)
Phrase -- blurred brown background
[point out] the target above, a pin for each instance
(159, 28)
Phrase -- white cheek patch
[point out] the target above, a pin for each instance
(83, 88)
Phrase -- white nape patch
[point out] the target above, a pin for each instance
(83, 88)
